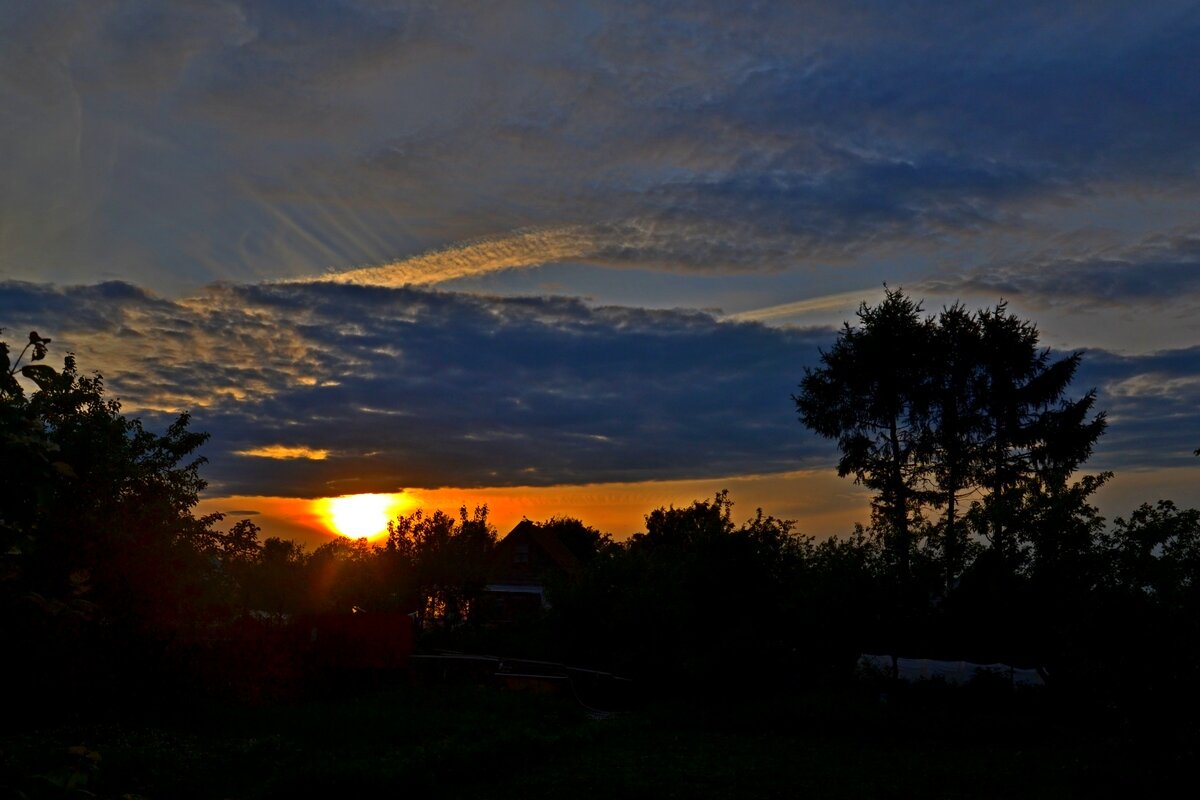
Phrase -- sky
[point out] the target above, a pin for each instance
(573, 258)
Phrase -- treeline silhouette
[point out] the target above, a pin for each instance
(982, 546)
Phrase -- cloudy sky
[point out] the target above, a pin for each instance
(573, 257)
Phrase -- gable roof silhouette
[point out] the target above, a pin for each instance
(545, 553)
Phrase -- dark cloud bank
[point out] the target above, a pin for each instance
(415, 388)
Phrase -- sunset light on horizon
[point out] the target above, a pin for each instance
(821, 504)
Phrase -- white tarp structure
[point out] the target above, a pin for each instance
(952, 673)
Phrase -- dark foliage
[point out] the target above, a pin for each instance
(693, 598)
(447, 559)
(109, 580)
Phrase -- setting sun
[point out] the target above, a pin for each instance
(361, 515)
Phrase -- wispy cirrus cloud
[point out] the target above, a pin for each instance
(467, 259)
(1139, 296)
(1156, 270)
(175, 144)
(845, 302)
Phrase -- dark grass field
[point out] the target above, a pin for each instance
(467, 741)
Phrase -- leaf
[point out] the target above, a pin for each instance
(64, 469)
(40, 374)
(39, 345)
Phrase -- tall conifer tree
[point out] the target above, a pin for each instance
(933, 412)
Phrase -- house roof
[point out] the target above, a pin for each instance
(532, 534)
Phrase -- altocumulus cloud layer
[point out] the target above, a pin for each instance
(324, 388)
(173, 144)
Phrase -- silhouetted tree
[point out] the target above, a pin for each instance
(955, 430)
(850, 597)
(932, 412)
(582, 540)
(448, 559)
(29, 464)
(276, 580)
(693, 598)
(872, 394)
(1155, 554)
(1144, 631)
(98, 506)
(1034, 437)
(105, 562)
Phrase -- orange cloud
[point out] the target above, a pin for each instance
(284, 452)
(525, 248)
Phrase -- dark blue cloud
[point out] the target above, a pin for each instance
(457, 390)
(1152, 401)
(416, 388)
(99, 307)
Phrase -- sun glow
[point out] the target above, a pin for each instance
(362, 515)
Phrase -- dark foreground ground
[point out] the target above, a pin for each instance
(469, 741)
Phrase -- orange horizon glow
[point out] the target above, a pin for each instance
(821, 503)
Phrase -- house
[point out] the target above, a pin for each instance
(519, 569)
